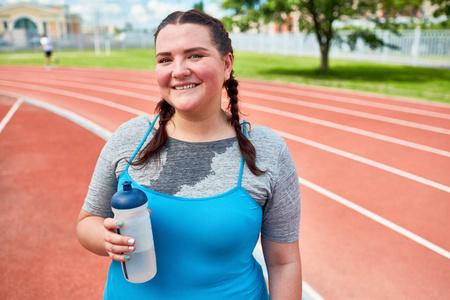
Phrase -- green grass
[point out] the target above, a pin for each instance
(412, 82)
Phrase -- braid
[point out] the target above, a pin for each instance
(222, 42)
(246, 147)
(155, 146)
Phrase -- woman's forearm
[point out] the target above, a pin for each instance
(285, 269)
(285, 281)
(90, 232)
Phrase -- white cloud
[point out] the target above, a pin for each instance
(51, 2)
(160, 10)
(15, 1)
(139, 14)
(216, 11)
(86, 12)
(112, 9)
(76, 9)
(43, 2)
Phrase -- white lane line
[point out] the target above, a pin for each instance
(274, 111)
(287, 135)
(75, 95)
(348, 129)
(297, 93)
(261, 85)
(10, 114)
(330, 97)
(93, 87)
(348, 112)
(10, 94)
(96, 81)
(310, 293)
(376, 218)
(77, 119)
(365, 161)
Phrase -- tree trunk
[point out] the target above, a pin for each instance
(324, 54)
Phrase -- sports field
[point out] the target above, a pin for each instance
(403, 81)
(373, 169)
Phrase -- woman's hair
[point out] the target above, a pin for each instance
(222, 42)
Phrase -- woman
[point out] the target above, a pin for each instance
(213, 184)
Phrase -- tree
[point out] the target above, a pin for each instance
(442, 9)
(199, 6)
(318, 16)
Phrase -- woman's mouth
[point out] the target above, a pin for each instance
(184, 87)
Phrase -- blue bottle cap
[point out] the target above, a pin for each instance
(128, 198)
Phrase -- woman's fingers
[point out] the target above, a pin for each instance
(115, 244)
(111, 248)
(120, 257)
(112, 224)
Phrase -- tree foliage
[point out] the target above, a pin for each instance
(318, 16)
(199, 6)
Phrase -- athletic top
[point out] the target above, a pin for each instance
(198, 170)
(46, 43)
(203, 247)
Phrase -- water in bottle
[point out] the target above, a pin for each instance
(130, 206)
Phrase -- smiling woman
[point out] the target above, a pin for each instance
(191, 78)
(213, 183)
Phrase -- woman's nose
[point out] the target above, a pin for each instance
(180, 69)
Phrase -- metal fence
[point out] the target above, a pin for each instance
(18, 40)
(415, 47)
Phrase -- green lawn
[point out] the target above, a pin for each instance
(413, 82)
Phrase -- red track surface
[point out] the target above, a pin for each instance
(374, 173)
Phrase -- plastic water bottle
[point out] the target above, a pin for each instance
(130, 206)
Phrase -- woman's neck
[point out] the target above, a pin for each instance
(204, 128)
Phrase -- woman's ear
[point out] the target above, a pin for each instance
(228, 65)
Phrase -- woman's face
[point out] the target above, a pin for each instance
(189, 70)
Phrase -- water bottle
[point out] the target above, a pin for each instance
(130, 206)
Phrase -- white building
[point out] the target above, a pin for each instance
(23, 23)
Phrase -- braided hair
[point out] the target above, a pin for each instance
(222, 42)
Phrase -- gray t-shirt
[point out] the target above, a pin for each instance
(196, 170)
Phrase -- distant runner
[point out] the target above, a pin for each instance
(47, 46)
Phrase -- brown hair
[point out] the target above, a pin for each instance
(222, 42)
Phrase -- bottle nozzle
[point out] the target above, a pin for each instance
(127, 186)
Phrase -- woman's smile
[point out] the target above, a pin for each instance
(189, 69)
(185, 87)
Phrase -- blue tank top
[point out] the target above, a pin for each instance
(203, 247)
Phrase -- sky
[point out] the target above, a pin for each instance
(139, 13)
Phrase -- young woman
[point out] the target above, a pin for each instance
(213, 183)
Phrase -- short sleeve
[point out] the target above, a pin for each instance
(112, 161)
(281, 220)
(103, 185)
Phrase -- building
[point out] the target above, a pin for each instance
(22, 23)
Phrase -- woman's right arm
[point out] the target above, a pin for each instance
(98, 235)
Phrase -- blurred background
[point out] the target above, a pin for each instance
(403, 32)
(391, 47)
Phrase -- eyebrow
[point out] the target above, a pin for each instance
(185, 51)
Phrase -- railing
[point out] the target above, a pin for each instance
(416, 47)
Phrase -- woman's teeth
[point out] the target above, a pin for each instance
(185, 87)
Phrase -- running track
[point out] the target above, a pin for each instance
(374, 174)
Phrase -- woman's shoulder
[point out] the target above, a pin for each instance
(131, 129)
(268, 144)
(260, 133)
(135, 124)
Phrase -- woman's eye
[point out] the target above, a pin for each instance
(163, 60)
(196, 56)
